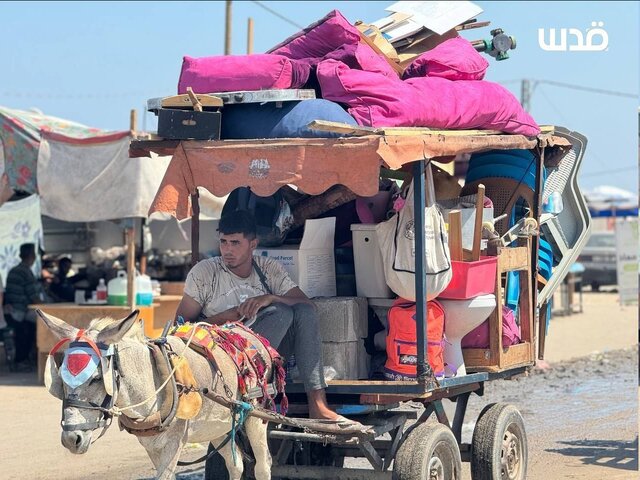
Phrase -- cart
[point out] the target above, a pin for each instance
(407, 443)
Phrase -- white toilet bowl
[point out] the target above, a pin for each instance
(462, 316)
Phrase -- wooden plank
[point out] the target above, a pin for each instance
(396, 67)
(372, 382)
(511, 259)
(386, 399)
(345, 128)
(477, 228)
(339, 127)
(525, 304)
(469, 26)
(479, 359)
(131, 266)
(455, 235)
(541, 281)
(184, 101)
(495, 321)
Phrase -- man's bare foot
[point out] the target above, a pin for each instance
(318, 407)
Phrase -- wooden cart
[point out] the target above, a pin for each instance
(425, 449)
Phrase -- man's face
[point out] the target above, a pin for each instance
(236, 249)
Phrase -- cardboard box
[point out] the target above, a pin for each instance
(311, 265)
(342, 319)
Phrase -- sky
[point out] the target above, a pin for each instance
(92, 62)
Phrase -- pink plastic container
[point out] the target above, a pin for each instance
(471, 279)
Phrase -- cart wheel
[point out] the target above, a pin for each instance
(499, 445)
(429, 452)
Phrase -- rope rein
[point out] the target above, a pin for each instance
(117, 411)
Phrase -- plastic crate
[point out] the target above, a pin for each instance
(471, 279)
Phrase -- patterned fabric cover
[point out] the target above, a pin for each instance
(251, 366)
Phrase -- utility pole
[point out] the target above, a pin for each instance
(227, 28)
(249, 36)
(525, 94)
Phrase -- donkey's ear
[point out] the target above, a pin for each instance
(58, 327)
(114, 332)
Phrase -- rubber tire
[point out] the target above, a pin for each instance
(487, 444)
(412, 462)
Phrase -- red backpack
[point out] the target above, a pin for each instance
(402, 349)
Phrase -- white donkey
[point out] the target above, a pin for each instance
(125, 374)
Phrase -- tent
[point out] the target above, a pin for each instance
(610, 201)
(81, 174)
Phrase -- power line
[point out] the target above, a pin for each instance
(566, 122)
(280, 16)
(613, 170)
(507, 82)
(70, 96)
(571, 86)
(588, 89)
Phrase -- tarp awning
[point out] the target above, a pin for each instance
(312, 165)
(81, 174)
(21, 133)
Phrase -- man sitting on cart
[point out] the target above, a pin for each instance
(238, 286)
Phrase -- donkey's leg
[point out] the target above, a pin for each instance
(164, 449)
(256, 430)
(236, 468)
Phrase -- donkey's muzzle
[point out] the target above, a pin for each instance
(76, 441)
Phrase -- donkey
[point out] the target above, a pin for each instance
(125, 375)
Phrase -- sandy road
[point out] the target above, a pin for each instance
(581, 415)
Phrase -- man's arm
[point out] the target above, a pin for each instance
(190, 310)
(251, 306)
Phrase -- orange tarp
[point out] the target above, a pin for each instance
(312, 165)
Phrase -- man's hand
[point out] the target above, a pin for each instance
(249, 308)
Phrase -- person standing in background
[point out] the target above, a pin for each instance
(22, 289)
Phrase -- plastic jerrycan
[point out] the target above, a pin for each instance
(144, 290)
(117, 289)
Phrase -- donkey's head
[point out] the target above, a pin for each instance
(86, 380)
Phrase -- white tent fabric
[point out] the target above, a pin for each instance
(607, 196)
(93, 182)
(21, 223)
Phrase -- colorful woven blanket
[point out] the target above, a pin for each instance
(250, 363)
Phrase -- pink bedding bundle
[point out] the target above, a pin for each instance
(442, 88)
(378, 101)
(241, 72)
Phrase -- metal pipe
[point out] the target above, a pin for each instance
(195, 228)
(423, 368)
(535, 245)
(458, 418)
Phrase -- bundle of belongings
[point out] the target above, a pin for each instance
(433, 80)
(442, 88)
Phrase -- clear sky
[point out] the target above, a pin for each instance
(91, 62)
